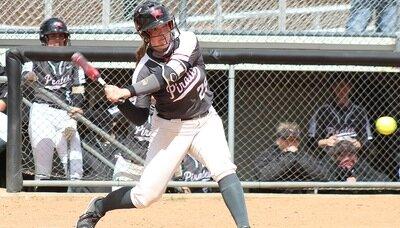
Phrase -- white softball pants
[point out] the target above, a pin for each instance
(46, 125)
(203, 138)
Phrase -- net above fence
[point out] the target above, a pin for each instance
(284, 17)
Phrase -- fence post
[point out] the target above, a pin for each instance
(282, 15)
(183, 14)
(218, 14)
(231, 110)
(13, 163)
(105, 16)
(48, 8)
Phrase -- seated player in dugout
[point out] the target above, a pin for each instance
(172, 70)
(340, 119)
(348, 166)
(286, 161)
(51, 127)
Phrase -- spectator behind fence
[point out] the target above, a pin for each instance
(3, 130)
(339, 119)
(285, 161)
(362, 11)
(51, 127)
(349, 166)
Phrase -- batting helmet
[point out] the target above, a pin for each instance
(51, 26)
(151, 14)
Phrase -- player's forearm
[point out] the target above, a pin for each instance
(136, 115)
(149, 85)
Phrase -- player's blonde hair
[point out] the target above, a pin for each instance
(141, 51)
(286, 130)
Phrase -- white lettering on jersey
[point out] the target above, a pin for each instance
(182, 88)
(347, 132)
(50, 81)
(189, 176)
(142, 133)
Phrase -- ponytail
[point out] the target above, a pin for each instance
(140, 52)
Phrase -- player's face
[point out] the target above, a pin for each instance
(56, 39)
(342, 90)
(284, 143)
(160, 37)
(347, 160)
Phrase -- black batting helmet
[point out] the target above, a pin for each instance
(51, 26)
(151, 14)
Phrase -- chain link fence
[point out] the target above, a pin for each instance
(264, 99)
(218, 17)
(265, 96)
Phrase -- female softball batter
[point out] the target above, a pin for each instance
(171, 69)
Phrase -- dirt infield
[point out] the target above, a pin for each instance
(206, 210)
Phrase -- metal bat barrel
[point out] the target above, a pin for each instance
(89, 70)
(89, 124)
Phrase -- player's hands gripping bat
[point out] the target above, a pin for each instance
(90, 70)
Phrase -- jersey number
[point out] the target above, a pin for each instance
(202, 89)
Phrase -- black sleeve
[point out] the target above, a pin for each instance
(2, 71)
(275, 169)
(3, 93)
(365, 172)
(136, 115)
(314, 167)
(271, 165)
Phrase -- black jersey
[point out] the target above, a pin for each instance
(3, 86)
(56, 76)
(3, 94)
(345, 122)
(3, 91)
(190, 95)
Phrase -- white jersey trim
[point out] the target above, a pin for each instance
(186, 48)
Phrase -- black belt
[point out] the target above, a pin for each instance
(190, 118)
